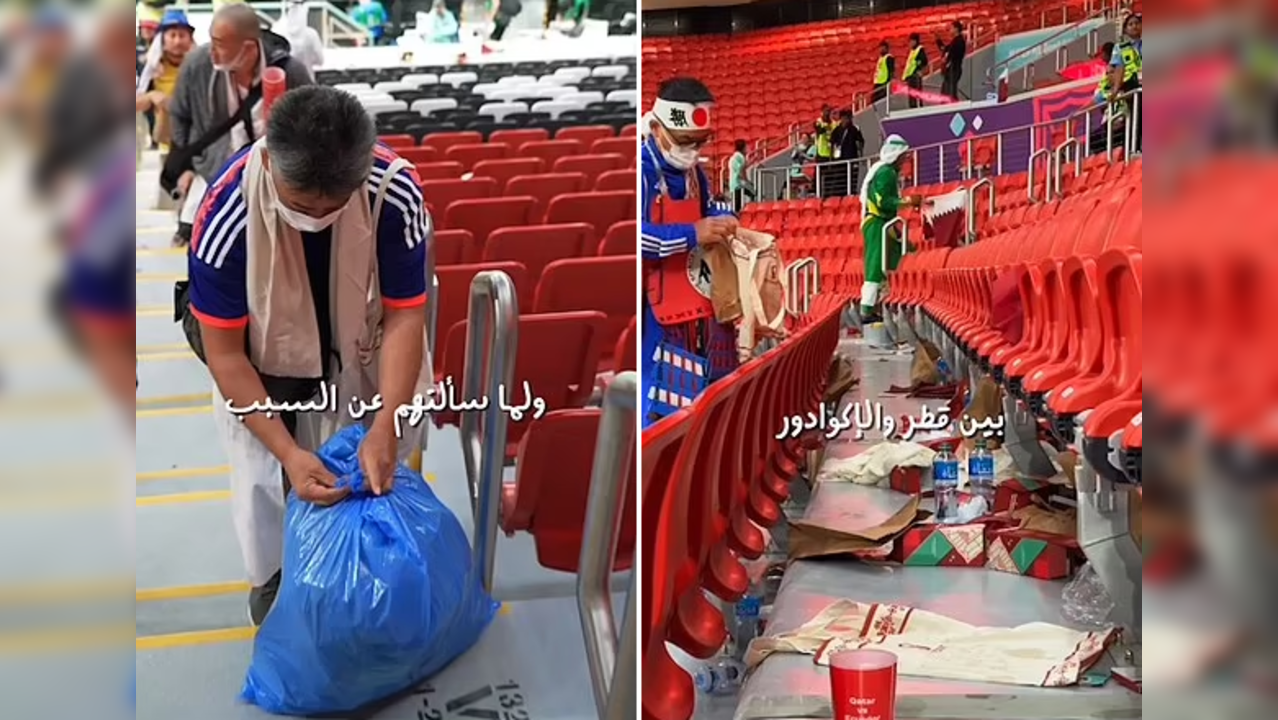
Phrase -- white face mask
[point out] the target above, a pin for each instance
(229, 66)
(306, 223)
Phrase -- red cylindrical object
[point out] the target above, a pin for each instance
(863, 685)
(273, 86)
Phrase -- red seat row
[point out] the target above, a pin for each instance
(440, 142)
(713, 475)
(481, 216)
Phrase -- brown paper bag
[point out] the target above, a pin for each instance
(810, 540)
(840, 380)
(724, 284)
(923, 370)
(987, 402)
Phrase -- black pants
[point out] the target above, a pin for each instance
(950, 83)
(880, 93)
(500, 24)
(741, 196)
(915, 83)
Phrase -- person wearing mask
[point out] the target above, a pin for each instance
(216, 108)
(884, 72)
(439, 25)
(915, 68)
(680, 220)
(307, 267)
(159, 77)
(739, 188)
(880, 202)
(954, 53)
(304, 41)
(824, 149)
(848, 143)
(373, 16)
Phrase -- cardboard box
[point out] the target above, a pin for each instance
(935, 545)
(1017, 493)
(1032, 553)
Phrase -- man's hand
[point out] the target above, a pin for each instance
(377, 458)
(913, 201)
(184, 182)
(312, 481)
(711, 231)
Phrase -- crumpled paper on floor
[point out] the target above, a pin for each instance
(875, 464)
(931, 645)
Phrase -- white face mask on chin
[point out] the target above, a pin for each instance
(305, 223)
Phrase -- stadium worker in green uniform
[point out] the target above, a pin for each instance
(880, 201)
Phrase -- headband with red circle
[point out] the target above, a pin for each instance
(681, 116)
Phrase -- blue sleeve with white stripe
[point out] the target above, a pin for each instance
(403, 232)
(217, 260)
(659, 241)
(709, 206)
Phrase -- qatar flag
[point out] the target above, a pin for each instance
(945, 218)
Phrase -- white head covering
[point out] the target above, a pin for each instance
(893, 148)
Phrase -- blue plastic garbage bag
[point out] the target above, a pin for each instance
(376, 595)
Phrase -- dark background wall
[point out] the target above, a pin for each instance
(767, 14)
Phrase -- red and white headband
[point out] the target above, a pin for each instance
(678, 116)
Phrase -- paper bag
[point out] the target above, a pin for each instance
(725, 288)
(810, 540)
(840, 379)
(987, 403)
(923, 370)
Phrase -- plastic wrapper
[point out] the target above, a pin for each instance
(1086, 601)
(377, 594)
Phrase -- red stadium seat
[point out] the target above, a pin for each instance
(622, 239)
(592, 166)
(626, 147)
(551, 150)
(445, 140)
(585, 134)
(438, 170)
(516, 138)
(625, 355)
(600, 209)
(395, 142)
(443, 193)
(503, 170)
(625, 179)
(468, 155)
(536, 246)
(557, 357)
(453, 302)
(418, 155)
(605, 284)
(451, 246)
(552, 483)
(629, 131)
(484, 215)
(546, 187)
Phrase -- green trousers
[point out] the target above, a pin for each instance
(872, 233)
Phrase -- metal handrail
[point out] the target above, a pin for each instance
(805, 274)
(432, 315)
(1037, 47)
(1132, 126)
(622, 694)
(905, 234)
(1058, 164)
(609, 483)
(492, 337)
(1030, 173)
(971, 205)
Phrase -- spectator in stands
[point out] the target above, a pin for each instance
(824, 148)
(159, 76)
(679, 221)
(218, 82)
(953, 53)
(915, 68)
(884, 72)
(880, 201)
(439, 25)
(373, 16)
(739, 187)
(305, 41)
(506, 11)
(801, 155)
(848, 143)
(271, 314)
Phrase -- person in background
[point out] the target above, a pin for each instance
(276, 318)
(506, 11)
(880, 201)
(215, 80)
(679, 220)
(304, 41)
(372, 15)
(824, 149)
(50, 41)
(802, 154)
(439, 25)
(848, 144)
(1125, 61)
(1103, 58)
(739, 187)
(953, 53)
(884, 72)
(159, 77)
(915, 68)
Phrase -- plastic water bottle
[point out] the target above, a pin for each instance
(980, 473)
(943, 369)
(749, 612)
(719, 676)
(945, 480)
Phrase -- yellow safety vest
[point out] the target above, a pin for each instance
(912, 64)
(824, 131)
(1131, 61)
(881, 76)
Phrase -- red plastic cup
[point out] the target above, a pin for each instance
(273, 86)
(863, 685)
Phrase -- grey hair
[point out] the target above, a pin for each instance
(320, 140)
